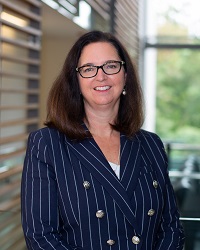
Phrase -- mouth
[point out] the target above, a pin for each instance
(102, 88)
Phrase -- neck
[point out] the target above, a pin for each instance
(99, 123)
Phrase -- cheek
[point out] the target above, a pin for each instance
(84, 85)
(81, 83)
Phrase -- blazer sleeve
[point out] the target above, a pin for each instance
(39, 200)
(170, 233)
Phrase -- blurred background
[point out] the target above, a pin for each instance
(163, 40)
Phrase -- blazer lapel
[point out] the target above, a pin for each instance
(93, 159)
(130, 164)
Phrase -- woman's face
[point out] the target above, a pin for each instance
(102, 90)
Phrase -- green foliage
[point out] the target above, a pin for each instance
(178, 95)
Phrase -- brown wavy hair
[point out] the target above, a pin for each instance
(65, 107)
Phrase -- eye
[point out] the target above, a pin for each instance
(111, 65)
(87, 69)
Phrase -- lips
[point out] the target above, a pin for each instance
(102, 88)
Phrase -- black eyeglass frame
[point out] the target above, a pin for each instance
(100, 67)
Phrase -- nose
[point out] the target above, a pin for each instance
(100, 73)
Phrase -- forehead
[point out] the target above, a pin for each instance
(98, 52)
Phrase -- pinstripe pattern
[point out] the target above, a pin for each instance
(58, 212)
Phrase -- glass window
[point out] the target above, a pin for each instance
(171, 84)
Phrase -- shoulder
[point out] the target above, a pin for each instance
(45, 134)
(148, 137)
(152, 145)
(45, 137)
(45, 143)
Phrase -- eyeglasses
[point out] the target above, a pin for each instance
(109, 68)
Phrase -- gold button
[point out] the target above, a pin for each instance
(110, 242)
(155, 183)
(151, 212)
(136, 240)
(86, 184)
(100, 214)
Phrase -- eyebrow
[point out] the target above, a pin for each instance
(92, 64)
(87, 64)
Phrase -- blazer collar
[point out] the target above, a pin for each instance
(92, 158)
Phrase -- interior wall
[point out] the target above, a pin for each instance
(58, 35)
(53, 53)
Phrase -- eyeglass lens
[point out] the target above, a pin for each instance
(108, 68)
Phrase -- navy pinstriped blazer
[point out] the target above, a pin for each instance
(72, 199)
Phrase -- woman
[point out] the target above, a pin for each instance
(92, 179)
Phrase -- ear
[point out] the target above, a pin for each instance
(125, 74)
